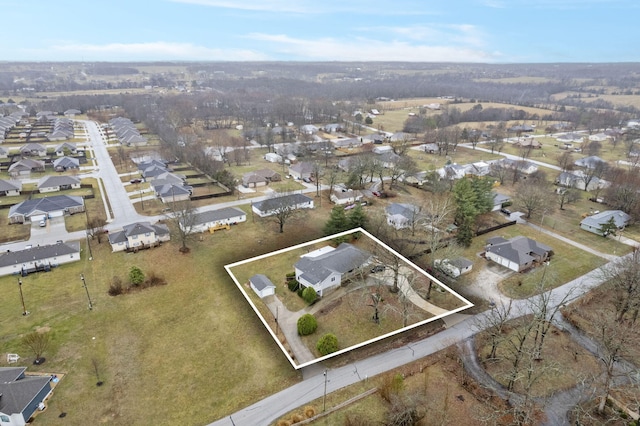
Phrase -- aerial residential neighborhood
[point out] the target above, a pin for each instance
(338, 263)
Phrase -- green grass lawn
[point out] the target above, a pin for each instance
(566, 264)
(157, 348)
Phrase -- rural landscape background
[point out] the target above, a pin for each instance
(192, 351)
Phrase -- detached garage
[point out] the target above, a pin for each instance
(262, 285)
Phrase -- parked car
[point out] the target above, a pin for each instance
(307, 180)
(378, 268)
(506, 211)
(135, 180)
(43, 223)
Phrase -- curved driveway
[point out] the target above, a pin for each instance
(271, 408)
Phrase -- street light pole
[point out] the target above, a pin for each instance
(84, 284)
(24, 309)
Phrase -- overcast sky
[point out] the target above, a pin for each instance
(493, 31)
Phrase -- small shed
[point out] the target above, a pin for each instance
(262, 285)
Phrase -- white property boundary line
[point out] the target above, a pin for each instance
(467, 304)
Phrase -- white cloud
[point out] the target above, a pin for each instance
(434, 33)
(152, 51)
(361, 7)
(362, 49)
(556, 4)
(258, 5)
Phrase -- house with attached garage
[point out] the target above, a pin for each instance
(272, 206)
(65, 148)
(38, 209)
(402, 215)
(9, 188)
(24, 167)
(33, 150)
(262, 285)
(21, 395)
(342, 196)
(171, 192)
(518, 254)
(63, 164)
(594, 222)
(260, 178)
(499, 200)
(302, 170)
(581, 180)
(38, 258)
(58, 183)
(212, 219)
(327, 267)
(139, 235)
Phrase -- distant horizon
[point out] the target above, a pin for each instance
(416, 31)
(195, 61)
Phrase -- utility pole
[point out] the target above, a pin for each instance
(24, 309)
(84, 284)
(324, 397)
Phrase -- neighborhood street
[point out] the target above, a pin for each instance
(271, 408)
(315, 382)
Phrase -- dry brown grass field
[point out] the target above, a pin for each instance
(156, 348)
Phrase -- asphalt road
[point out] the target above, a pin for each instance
(274, 406)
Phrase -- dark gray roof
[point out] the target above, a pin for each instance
(137, 228)
(46, 205)
(10, 185)
(33, 147)
(291, 200)
(590, 162)
(344, 258)
(17, 391)
(38, 253)
(302, 167)
(260, 282)
(215, 215)
(172, 190)
(55, 180)
(27, 163)
(66, 162)
(461, 262)
(500, 198)
(518, 249)
(68, 145)
(406, 210)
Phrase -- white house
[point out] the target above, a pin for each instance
(38, 258)
(343, 196)
(454, 267)
(58, 183)
(23, 168)
(401, 215)
(518, 253)
(37, 209)
(272, 157)
(10, 187)
(302, 170)
(271, 206)
(138, 235)
(578, 179)
(262, 285)
(325, 268)
(594, 222)
(66, 163)
(213, 218)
